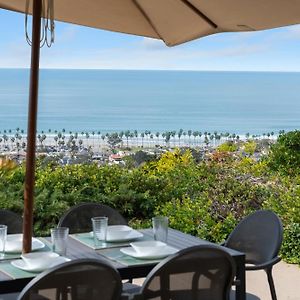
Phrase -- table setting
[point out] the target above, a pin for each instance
(121, 243)
(132, 252)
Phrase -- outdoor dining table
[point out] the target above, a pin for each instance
(130, 270)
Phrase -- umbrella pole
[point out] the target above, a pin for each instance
(31, 127)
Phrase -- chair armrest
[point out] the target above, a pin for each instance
(266, 265)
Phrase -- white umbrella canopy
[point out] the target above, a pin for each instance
(173, 21)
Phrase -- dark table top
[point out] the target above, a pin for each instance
(78, 250)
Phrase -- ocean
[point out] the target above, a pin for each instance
(114, 100)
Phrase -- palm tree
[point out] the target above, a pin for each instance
(189, 134)
(136, 135)
(151, 138)
(167, 138)
(195, 134)
(142, 136)
(179, 134)
(127, 135)
(12, 139)
(121, 135)
(157, 134)
(93, 134)
(184, 135)
(87, 136)
(131, 137)
(103, 137)
(56, 140)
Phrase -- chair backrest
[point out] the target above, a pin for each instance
(200, 272)
(258, 235)
(80, 279)
(78, 218)
(13, 221)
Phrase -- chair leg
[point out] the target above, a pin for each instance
(271, 283)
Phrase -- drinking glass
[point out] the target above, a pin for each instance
(160, 228)
(99, 229)
(59, 237)
(3, 234)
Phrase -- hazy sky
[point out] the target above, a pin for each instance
(82, 47)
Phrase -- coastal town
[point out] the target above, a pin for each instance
(66, 148)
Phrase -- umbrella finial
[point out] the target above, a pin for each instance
(48, 25)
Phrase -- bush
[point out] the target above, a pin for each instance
(205, 198)
(228, 146)
(250, 147)
(291, 247)
(285, 153)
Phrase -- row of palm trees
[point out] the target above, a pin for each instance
(16, 139)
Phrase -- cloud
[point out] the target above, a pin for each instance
(15, 55)
(153, 44)
(67, 34)
(230, 51)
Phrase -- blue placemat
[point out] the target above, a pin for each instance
(116, 255)
(10, 256)
(88, 240)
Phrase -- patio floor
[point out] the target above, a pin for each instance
(286, 277)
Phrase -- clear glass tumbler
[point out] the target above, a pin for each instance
(59, 237)
(3, 234)
(160, 228)
(99, 229)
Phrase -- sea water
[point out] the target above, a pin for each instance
(113, 100)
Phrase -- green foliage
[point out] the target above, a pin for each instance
(228, 146)
(285, 153)
(291, 247)
(250, 147)
(205, 198)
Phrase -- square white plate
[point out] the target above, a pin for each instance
(20, 264)
(14, 243)
(162, 253)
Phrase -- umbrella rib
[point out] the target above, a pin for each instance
(148, 19)
(200, 13)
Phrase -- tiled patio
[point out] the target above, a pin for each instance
(286, 278)
(287, 282)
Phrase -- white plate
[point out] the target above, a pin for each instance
(133, 235)
(20, 264)
(14, 243)
(116, 232)
(162, 253)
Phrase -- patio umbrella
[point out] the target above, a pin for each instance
(173, 21)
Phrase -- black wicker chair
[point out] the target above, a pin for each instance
(13, 221)
(78, 218)
(199, 272)
(77, 280)
(259, 236)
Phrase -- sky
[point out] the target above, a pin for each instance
(78, 47)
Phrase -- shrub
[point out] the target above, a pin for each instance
(291, 247)
(205, 198)
(250, 147)
(228, 146)
(285, 153)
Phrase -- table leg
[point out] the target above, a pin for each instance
(240, 293)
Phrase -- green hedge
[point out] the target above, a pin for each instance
(206, 199)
